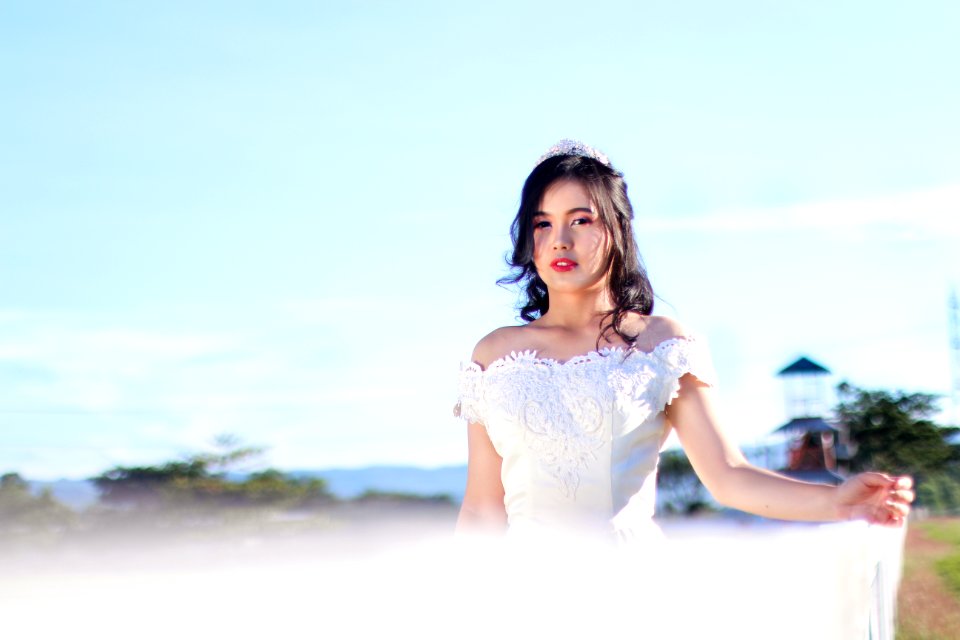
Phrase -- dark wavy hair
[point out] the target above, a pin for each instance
(629, 285)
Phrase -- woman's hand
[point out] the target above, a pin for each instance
(876, 498)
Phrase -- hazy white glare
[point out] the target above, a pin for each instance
(746, 579)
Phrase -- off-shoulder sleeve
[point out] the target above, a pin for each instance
(680, 356)
(470, 393)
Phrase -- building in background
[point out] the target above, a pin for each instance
(818, 449)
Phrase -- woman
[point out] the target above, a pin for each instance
(568, 412)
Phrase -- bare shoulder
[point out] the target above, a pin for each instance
(665, 328)
(498, 343)
(652, 330)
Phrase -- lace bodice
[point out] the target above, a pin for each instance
(580, 439)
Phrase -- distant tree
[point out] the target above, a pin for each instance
(202, 480)
(680, 489)
(273, 486)
(13, 482)
(376, 495)
(894, 432)
(23, 512)
(228, 454)
(149, 486)
(939, 492)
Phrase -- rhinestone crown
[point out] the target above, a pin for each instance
(568, 147)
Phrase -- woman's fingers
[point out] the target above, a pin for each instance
(903, 495)
(876, 479)
(889, 514)
(883, 499)
(900, 508)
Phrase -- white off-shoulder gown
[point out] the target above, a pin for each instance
(580, 439)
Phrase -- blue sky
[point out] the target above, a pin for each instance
(285, 221)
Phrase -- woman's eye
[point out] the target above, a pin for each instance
(541, 224)
(583, 221)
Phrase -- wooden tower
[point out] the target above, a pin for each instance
(815, 451)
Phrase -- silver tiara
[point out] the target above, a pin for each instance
(568, 147)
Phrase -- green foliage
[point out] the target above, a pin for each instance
(272, 486)
(949, 570)
(939, 492)
(948, 567)
(943, 530)
(22, 512)
(205, 494)
(202, 481)
(374, 495)
(13, 483)
(680, 489)
(151, 486)
(893, 432)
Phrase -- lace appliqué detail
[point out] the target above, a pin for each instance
(469, 402)
(683, 356)
(560, 412)
(563, 430)
(553, 407)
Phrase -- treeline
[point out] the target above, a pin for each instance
(203, 481)
(199, 491)
(892, 432)
(24, 514)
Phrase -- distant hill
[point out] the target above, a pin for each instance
(343, 483)
(349, 483)
(76, 494)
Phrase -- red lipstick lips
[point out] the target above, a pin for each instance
(562, 264)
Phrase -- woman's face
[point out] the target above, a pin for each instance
(570, 242)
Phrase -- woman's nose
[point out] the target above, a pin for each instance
(561, 238)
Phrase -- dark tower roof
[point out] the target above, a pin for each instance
(806, 425)
(803, 365)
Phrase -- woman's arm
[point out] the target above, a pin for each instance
(736, 483)
(482, 509)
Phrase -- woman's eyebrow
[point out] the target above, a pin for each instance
(574, 210)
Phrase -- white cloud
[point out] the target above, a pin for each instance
(933, 213)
